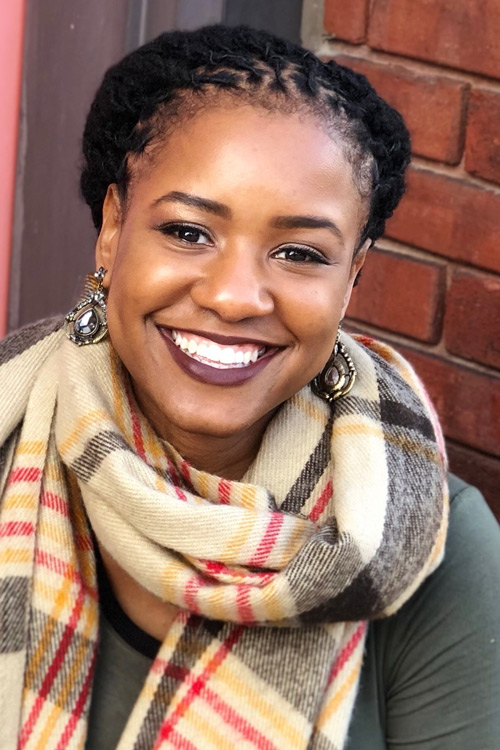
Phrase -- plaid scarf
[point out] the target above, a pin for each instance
(338, 520)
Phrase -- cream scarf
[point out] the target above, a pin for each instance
(339, 520)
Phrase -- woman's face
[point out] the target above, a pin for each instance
(230, 268)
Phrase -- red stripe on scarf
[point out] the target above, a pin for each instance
(175, 671)
(136, 429)
(347, 651)
(80, 705)
(224, 491)
(53, 670)
(198, 686)
(322, 502)
(64, 569)
(243, 604)
(366, 340)
(268, 540)
(24, 474)
(55, 564)
(180, 494)
(175, 480)
(217, 570)
(231, 717)
(186, 474)
(16, 528)
(83, 543)
(55, 502)
(180, 742)
(190, 594)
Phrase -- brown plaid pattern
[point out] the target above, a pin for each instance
(339, 519)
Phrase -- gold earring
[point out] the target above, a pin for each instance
(87, 322)
(337, 376)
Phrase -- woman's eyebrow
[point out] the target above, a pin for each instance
(220, 209)
(307, 222)
(188, 199)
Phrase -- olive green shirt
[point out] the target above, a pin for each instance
(431, 673)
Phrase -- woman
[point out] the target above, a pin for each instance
(207, 491)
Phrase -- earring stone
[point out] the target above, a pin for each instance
(338, 375)
(87, 322)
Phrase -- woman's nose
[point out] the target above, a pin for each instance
(235, 286)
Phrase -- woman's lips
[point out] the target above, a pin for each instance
(245, 361)
(215, 354)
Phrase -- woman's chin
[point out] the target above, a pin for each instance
(195, 419)
(208, 426)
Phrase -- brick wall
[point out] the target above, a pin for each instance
(432, 285)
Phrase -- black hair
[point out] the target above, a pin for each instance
(147, 90)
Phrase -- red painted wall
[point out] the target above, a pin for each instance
(11, 56)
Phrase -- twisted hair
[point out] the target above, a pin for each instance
(152, 87)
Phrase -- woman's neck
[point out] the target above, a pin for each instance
(228, 457)
(146, 610)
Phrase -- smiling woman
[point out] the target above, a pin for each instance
(212, 501)
(219, 240)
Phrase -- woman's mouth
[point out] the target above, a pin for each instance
(216, 355)
(214, 362)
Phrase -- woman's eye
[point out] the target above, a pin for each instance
(300, 255)
(191, 235)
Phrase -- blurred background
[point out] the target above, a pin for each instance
(431, 287)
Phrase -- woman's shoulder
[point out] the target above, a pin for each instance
(474, 533)
(22, 339)
(435, 665)
(22, 353)
(470, 571)
(461, 588)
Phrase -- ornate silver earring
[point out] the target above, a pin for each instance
(87, 322)
(337, 377)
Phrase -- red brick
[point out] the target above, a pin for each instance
(472, 321)
(479, 470)
(463, 34)
(482, 148)
(346, 20)
(401, 294)
(449, 217)
(432, 106)
(467, 402)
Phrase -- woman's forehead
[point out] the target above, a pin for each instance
(246, 143)
(256, 163)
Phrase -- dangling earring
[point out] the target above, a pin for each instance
(87, 322)
(338, 375)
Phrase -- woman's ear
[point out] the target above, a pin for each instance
(107, 242)
(357, 265)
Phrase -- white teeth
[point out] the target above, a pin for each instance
(227, 356)
(212, 354)
(202, 351)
